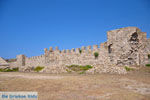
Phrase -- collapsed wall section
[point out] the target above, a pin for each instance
(126, 45)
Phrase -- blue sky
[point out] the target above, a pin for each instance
(29, 26)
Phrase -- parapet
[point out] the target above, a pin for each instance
(56, 48)
(83, 49)
(67, 51)
(89, 48)
(45, 50)
(103, 46)
(95, 47)
(77, 50)
(72, 50)
(51, 49)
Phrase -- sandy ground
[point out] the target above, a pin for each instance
(133, 86)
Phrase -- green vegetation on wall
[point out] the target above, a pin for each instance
(147, 65)
(38, 68)
(78, 68)
(128, 68)
(9, 70)
(96, 54)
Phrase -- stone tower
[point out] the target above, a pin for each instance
(126, 46)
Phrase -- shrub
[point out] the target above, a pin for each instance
(148, 56)
(96, 54)
(78, 68)
(9, 70)
(1, 70)
(38, 68)
(147, 65)
(82, 72)
(87, 67)
(128, 68)
(68, 71)
(15, 69)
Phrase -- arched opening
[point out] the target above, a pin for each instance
(134, 38)
(110, 48)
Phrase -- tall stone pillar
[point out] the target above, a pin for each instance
(21, 60)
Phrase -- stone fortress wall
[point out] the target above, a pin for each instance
(125, 46)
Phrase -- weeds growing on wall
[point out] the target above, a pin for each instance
(78, 68)
(69, 71)
(96, 54)
(147, 65)
(38, 68)
(128, 68)
(9, 70)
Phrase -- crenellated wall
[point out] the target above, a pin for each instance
(35, 61)
(125, 46)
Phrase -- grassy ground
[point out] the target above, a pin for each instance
(133, 86)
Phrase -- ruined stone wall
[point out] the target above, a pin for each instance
(125, 46)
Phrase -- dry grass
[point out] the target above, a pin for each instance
(134, 86)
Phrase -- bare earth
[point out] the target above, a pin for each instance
(134, 86)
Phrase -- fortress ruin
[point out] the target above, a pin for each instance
(124, 47)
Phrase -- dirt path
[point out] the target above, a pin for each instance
(134, 86)
(29, 76)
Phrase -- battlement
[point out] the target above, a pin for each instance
(81, 50)
(35, 57)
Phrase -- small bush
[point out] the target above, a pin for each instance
(1, 70)
(9, 70)
(87, 67)
(96, 54)
(68, 71)
(15, 69)
(38, 68)
(147, 65)
(82, 72)
(128, 68)
(78, 68)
